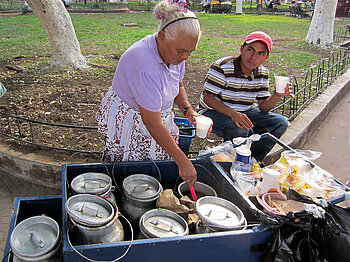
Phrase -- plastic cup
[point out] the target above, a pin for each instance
(202, 126)
(281, 84)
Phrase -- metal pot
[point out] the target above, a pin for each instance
(200, 188)
(112, 232)
(162, 223)
(36, 238)
(218, 214)
(140, 195)
(95, 184)
(95, 219)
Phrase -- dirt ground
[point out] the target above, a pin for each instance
(69, 97)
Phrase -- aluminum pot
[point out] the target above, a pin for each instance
(95, 219)
(162, 223)
(218, 214)
(37, 238)
(95, 184)
(112, 232)
(140, 195)
(200, 188)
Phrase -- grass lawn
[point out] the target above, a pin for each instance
(104, 35)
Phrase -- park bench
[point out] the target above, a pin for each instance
(298, 11)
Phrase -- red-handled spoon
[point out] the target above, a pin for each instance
(193, 193)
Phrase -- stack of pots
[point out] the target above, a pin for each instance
(218, 214)
(140, 195)
(95, 219)
(36, 238)
(95, 184)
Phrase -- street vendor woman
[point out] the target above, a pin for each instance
(136, 113)
(234, 85)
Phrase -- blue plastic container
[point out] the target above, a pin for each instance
(244, 245)
(25, 207)
(185, 139)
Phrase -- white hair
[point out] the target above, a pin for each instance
(174, 22)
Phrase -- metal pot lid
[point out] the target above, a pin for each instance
(91, 183)
(35, 236)
(162, 223)
(215, 211)
(89, 210)
(141, 186)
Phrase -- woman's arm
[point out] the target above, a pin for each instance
(153, 123)
(181, 100)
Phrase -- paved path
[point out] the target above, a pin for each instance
(331, 138)
(10, 188)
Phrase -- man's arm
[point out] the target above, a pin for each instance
(265, 105)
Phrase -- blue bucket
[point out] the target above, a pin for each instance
(185, 136)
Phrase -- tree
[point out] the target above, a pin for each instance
(239, 7)
(58, 25)
(322, 24)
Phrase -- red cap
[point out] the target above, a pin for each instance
(259, 36)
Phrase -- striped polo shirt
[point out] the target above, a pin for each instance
(232, 88)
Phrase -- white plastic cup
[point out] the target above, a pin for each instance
(202, 126)
(281, 84)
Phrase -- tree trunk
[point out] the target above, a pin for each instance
(259, 6)
(58, 25)
(239, 6)
(322, 25)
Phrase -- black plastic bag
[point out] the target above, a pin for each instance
(333, 234)
(293, 240)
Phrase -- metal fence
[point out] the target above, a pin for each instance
(341, 34)
(316, 80)
(85, 139)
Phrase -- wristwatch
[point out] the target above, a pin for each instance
(186, 109)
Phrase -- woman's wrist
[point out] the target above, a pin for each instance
(187, 110)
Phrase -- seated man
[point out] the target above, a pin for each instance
(233, 85)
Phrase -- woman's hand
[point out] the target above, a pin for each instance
(187, 172)
(192, 115)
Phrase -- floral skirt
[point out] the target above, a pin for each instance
(127, 138)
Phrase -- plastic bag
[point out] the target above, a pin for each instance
(333, 234)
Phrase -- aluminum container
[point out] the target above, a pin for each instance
(95, 184)
(36, 238)
(218, 214)
(140, 195)
(95, 219)
(162, 223)
(89, 210)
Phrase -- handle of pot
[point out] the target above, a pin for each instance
(218, 218)
(90, 211)
(140, 188)
(164, 225)
(36, 240)
(92, 185)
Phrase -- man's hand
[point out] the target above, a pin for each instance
(288, 91)
(241, 120)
